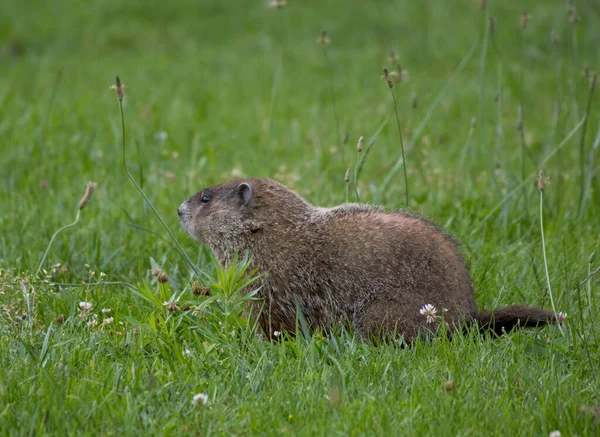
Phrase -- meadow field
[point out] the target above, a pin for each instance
(114, 332)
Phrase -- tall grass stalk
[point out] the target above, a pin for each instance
(521, 108)
(523, 183)
(70, 225)
(55, 86)
(541, 186)
(119, 89)
(362, 156)
(390, 84)
(82, 204)
(359, 148)
(325, 41)
(482, 95)
(592, 170)
(591, 261)
(431, 109)
(499, 121)
(278, 5)
(584, 186)
(467, 145)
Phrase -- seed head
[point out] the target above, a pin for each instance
(593, 81)
(171, 306)
(347, 176)
(89, 190)
(572, 13)
(162, 278)
(60, 319)
(323, 39)
(119, 88)
(554, 38)
(359, 145)
(197, 290)
(542, 181)
(520, 118)
(63, 270)
(278, 4)
(592, 258)
(414, 102)
(85, 306)
(449, 385)
(386, 76)
(492, 23)
(393, 59)
(586, 71)
(524, 20)
(399, 73)
(483, 4)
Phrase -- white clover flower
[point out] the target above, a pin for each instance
(428, 311)
(85, 306)
(555, 433)
(108, 320)
(187, 353)
(561, 317)
(276, 333)
(106, 310)
(200, 399)
(92, 323)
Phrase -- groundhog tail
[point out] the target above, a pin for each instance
(507, 318)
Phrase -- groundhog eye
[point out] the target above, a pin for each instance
(205, 199)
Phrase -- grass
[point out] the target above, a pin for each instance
(242, 89)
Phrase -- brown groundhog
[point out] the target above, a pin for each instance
(384, 272)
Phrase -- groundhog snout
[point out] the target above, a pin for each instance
(183, 208)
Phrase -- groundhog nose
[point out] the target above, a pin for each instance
(183, 207)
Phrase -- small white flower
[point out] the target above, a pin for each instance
(561, 317)
(187, 353)
(237, 172)
(92, 323)
(555, 433)
(85, 306)
(161, 136)
(108, 320)
(428, 311)
(106, 310)
(200, 399)
(276, 333)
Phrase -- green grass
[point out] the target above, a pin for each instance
(241, 88)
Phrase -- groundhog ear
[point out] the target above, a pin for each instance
(244, 191)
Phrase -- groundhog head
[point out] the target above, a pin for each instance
(232, 216)
(218, 214)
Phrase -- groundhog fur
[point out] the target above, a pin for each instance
(350, 263)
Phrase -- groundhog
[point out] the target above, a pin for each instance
(384, 273)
